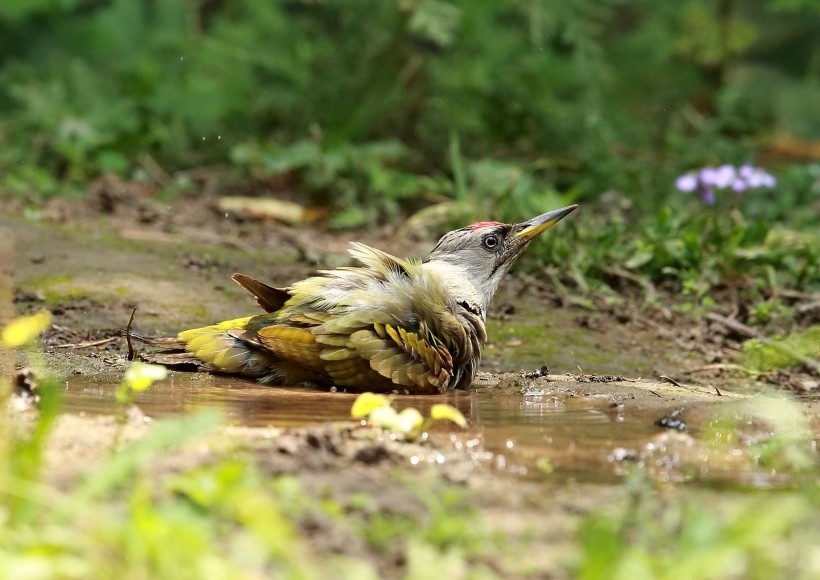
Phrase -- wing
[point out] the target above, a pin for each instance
(269, 298)
(386, 351)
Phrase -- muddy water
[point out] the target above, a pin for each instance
(557, 428)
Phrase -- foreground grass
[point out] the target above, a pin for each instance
(225, 517)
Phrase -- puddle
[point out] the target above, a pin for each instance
(564, 430)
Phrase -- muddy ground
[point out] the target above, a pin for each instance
(618, 388)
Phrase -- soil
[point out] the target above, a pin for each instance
(618, 387)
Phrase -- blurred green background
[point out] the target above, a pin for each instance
(378, 109)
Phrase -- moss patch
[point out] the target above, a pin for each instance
(783, 352)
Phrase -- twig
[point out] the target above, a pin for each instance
(650, 294)
(806, 307)
(717, 367)
(130, 355)
(656, 394)
(88, 344)
(154, 170)
(67, 330)
(798, 295)
(734, 325)
(671, 380)
(719, 394)
(664, 331)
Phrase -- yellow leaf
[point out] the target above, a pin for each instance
(385, 417)
(409, 420)
(23, 330)
(441, 411)
(366, 403)
(140, 376)
(545, 465)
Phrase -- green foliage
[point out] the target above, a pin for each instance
(778, 353)
(695, 250)
(361, 182)
(772, 429)
(320, 90)
(657, 537)
(448, 523)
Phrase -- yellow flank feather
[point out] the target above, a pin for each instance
(233, 324)
(214, 347)
(296, 345)
(231, 360)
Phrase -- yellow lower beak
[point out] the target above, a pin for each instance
(536, 225)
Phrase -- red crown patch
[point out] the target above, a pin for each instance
(479, 225)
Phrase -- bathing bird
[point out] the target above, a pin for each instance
(389, 324)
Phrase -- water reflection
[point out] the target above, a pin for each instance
(574, 433)
(588, 432)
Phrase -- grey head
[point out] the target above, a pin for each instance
(473, 260)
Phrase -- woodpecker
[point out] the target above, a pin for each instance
(389, 324)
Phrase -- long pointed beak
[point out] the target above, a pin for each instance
(536, 225)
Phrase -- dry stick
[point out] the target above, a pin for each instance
(671, 380)
(88, 343)
(735, 326)
(656, 394)
(65, 329)
(717, 367)
(805, 307)
(665, 332)
(650, 293)
(154, 170)
(797, 294)
(747, 332)
(719, 394)
(130, 355)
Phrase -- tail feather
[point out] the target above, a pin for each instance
(269, 298)
(171, 353)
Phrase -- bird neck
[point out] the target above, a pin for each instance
(460, 285)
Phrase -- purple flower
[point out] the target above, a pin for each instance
(707, 176)
(708, 179)
(724, 176)
(707, 195)
(687, 182)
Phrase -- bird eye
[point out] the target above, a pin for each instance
(490, 242)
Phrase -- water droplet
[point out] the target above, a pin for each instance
(510, 444)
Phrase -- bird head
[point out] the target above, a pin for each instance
(477, 257)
